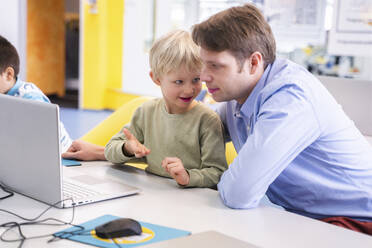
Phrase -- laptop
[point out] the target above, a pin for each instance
(30, 160)
(204, 239)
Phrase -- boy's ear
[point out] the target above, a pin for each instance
(155, 80)
(9, 73)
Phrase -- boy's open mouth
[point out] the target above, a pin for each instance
(186, 99)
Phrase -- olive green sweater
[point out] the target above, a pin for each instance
(195, 137)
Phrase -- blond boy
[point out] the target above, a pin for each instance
(177, 136)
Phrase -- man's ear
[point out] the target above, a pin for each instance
(155, 80)
(255, 63)
(9, 73)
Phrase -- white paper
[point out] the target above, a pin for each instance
(351, 32)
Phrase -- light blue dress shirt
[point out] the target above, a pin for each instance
(30, 91)
(296, 145)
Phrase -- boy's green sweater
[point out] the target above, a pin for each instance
(195, 137)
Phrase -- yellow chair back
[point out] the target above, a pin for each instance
(230, 152)
(110, 126)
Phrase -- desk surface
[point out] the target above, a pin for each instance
(163, 202)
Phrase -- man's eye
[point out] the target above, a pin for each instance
(213, 66)
(178, 81)
(196, 80)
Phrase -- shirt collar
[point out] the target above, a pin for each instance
(247, 108)
(15, 88)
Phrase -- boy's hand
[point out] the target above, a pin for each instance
(133, 146)
(175, 168)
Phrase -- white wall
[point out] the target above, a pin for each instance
(13, 26)
(136, 79)
(355, 97)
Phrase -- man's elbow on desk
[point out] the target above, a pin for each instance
(234, 198)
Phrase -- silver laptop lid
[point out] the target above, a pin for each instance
(30, 162)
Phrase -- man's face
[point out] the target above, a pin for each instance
(225, 78)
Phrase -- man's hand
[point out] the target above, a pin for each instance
(133, 147)
(83, 150)
(174, 167)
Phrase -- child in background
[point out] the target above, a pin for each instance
(11, 85)
(177, 136)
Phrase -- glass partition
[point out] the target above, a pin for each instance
(302, 29)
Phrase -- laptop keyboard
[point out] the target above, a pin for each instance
(71, 190)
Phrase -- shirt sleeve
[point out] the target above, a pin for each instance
(213, 160)
(113, 149)
(64, 138)
(285, 125)
(36, 96)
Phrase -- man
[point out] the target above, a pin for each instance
(294, 142)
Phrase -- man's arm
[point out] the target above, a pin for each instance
(284, 127)
(85, 151)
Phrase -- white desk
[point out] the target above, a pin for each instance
(162, 202)
(369, 139)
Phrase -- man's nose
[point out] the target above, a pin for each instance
(205, 76)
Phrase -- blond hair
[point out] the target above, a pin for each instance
(172, 51)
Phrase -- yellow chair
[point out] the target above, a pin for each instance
(103, 132)
(230, 152)
(107, 128)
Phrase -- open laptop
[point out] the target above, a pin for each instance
(30, 161)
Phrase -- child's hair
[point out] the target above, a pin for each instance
(241, 30)
(8, 56)
(172, 51)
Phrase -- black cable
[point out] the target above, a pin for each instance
(42, 213)
(10, 193)
(113, 240)
(34, 221)
(11, 225)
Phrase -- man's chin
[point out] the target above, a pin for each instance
(220, 99)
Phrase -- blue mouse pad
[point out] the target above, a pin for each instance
(70, 162)
(150, 234)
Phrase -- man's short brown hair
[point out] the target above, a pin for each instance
(242, 30)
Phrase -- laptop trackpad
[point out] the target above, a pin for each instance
(89, 180)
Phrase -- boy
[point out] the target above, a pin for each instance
(13, 86)
(295, 144)
(185, 137)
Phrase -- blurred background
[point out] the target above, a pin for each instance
(93, 54)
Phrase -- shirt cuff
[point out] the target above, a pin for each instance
(195, 179)
(125, 152)
(119, 155)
